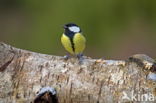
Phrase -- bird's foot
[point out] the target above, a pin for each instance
(80, 58)
(66, 57)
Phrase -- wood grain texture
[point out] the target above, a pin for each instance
(23, 73)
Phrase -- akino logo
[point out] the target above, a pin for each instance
(138, 97)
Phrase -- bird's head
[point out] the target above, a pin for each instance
(71, 27)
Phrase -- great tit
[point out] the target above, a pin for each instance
(73, 40)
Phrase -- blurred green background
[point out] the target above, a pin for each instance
(114, 29)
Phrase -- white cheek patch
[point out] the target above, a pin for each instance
(74, 29)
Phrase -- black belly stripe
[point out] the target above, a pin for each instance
(70, 34)
(72, 44)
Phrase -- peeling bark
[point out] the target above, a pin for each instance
(24, 73)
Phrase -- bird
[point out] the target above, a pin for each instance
(73, 40)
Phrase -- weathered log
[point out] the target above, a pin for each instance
(24, 73)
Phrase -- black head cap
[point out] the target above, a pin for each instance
(71, 27)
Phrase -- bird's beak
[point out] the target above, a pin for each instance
(64, 26)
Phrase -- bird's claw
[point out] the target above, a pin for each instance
(80, 58)
(66, 57)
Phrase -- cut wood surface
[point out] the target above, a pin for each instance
(23, 73)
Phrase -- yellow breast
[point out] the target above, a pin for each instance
(67, 43)
(78, 41)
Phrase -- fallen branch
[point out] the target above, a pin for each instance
(24, 73)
